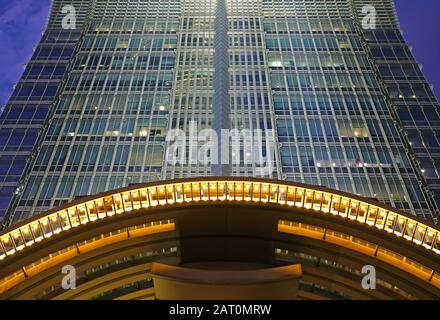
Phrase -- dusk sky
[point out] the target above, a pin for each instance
(22, 22)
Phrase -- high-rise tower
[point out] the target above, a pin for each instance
(346, 104)
(312, 115)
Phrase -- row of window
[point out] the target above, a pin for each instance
(391, 52)
(134, 26)
(334, 156)
(125, 62)
(66, 187)
(53, 53)
(121, 82)
(322, 80)
(318, 61)
(319, 43)
(114, 103)
(28, 114)
(124, 43)
(96, 154)
(327, 104)
(348, 127)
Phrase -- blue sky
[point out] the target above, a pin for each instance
(22, 22)
(21, 25)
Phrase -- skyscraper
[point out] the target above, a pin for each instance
(347, 104)
(303, 133)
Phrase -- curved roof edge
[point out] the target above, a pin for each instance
(142, 196)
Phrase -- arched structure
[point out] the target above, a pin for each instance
(210, 223)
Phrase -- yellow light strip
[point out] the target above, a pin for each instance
(305, 197)
(65, 254)
(360, 245)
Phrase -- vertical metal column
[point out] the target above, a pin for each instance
(221, 101)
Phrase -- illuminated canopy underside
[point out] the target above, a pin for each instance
(112, 239)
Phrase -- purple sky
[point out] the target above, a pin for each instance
(22, 22)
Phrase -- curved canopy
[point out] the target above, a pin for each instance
(292, 215)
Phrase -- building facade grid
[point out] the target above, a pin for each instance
(141, 68)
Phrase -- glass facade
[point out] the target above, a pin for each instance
(349, 107)
(25, 114)
(416, 110)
